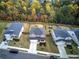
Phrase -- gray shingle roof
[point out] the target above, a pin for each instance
(14, 28)
(76, 31)
(62, 35)
(37, 32)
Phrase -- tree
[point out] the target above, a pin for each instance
(67, 14)
(48, 8)
(34, 7)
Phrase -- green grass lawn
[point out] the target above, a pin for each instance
(22, 43)
(74, 49)
(74, 27)
(2, 27)
(50, 46)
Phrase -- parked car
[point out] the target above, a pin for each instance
(53, 57)
(14, 51)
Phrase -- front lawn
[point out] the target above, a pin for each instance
(50, 45)
(2, 27)
(74, 49)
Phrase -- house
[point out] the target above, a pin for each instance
(37, 34)
(61, 35)
(75, 35)
(14, 31)
(61, 38)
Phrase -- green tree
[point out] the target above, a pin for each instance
(66, 14)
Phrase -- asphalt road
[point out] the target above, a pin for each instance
(4, 54)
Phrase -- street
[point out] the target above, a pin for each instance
(4, 54)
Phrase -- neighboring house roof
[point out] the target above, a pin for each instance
(14, 29)
(76, 31)
(75, 35)
(37, 33)
(62, 35)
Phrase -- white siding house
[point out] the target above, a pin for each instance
(14, 31)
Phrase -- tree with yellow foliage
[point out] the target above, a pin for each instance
(50, 10)
(48, 7)
(36, 5)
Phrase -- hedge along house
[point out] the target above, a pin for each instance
(75, 35)
(14, 31)
(61, 38)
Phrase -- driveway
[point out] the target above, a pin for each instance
(33, 46)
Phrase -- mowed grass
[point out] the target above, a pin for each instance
(50, 45)
(74, 50)
(2, 28)
(24, 40)
(74, 27)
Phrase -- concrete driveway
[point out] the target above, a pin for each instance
(33, 46)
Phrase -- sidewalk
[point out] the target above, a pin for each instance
(62, 51)
(42, 52)
(4, 45)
